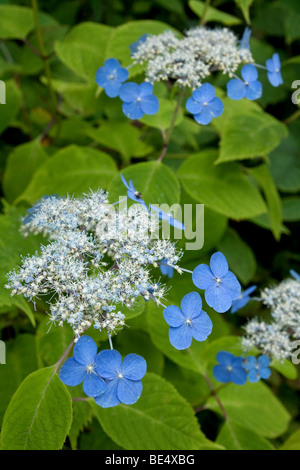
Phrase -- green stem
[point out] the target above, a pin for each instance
(43, 54)
(205, 11)
(168, 134)
(293, 117)
(214, 393)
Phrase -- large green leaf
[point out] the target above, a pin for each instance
(212, 14)
(244, 6)
(22, 162)
(291, 209)
(39, 415)
(236, 437)
(72, 170)
(52, 341)
(224, 188)
(15, 21)
(254, 407)
(293, 442)
(247, 131)
(160, 420)
(83, 49)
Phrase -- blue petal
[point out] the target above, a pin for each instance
(191, 305)
(109, 398)
(295, 275)
(249, 291)
(101, 77)
(216, 107)
(204, 117)
(254, 91)
(263, 361)
(150, 105)
(129, 92)
(193, 106)
(232, 285)
(111, 65)
(225, 358)
(218, 264)
(133, 110)
(108, 363)
(85, 350)
(145, 89)
(253, 376)
(249, 362)
(181, 337)
(72, 373)
(128, 391)
(236, 89)
(122, 74)
(264, 373)
(93, 385)
(203, 277)
(134, 46)
(275, 78)
(239, 303)
(218, 297)
(112, 88)
(204, 94)
(165, 269)
(222, 374)
(249, 73)
(273, 64)
(201, 327)
(238, 376)
(134, 367)
(174, 316)
(124, 181)
(245, 41)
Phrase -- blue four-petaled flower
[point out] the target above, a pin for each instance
(123, 379)
(249, 87)
(132, 193)
(82, 368)
(258, 368)
(230, 369)
(187, 322)
(138, 100)
(221, 285)
(204, 104)
(164, 216)
(274, 70)
(111, 76)
(243, 299)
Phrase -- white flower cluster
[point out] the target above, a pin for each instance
(97, 261)
(189, 59)
(276, 338)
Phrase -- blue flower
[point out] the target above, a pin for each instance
(82, 367)
(274, 70)
(134, 46)
(204, 104)
(249, 88)
(187, 322)
(138, 100)
(132, 193)
(242, 300)
(123, 379)
(165, 269)
(111, 76)
(245, 41)
(221, 285)
(257, 368)
(295, 275)
(163, 216)
(230, 369)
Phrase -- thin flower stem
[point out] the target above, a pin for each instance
(60, 361)
(43, 54)
(80, 399)
(293, 117)
(110, 341)
(167, 135)
(214, 393)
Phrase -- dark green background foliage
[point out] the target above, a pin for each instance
(61, 134)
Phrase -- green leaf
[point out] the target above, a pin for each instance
(72, 170)
(286, 368)
(254, 407)
(292, 442)
(39, 415)
(160, 420)
(212, 14)
(83, 49)
(52, 341)
(155, 181)
(240, 257)
(20, 361)
(13, 102)
(163, 118)
(266, 182)
(236, 437)
(82, 416)
(244, 6)
(223, 188)
(22, 162)
(122, 137)
(291, 209)
(247, 131)
(15, 21)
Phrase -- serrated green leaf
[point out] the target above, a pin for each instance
(39, 415)
(236, 437)
(223, 188)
